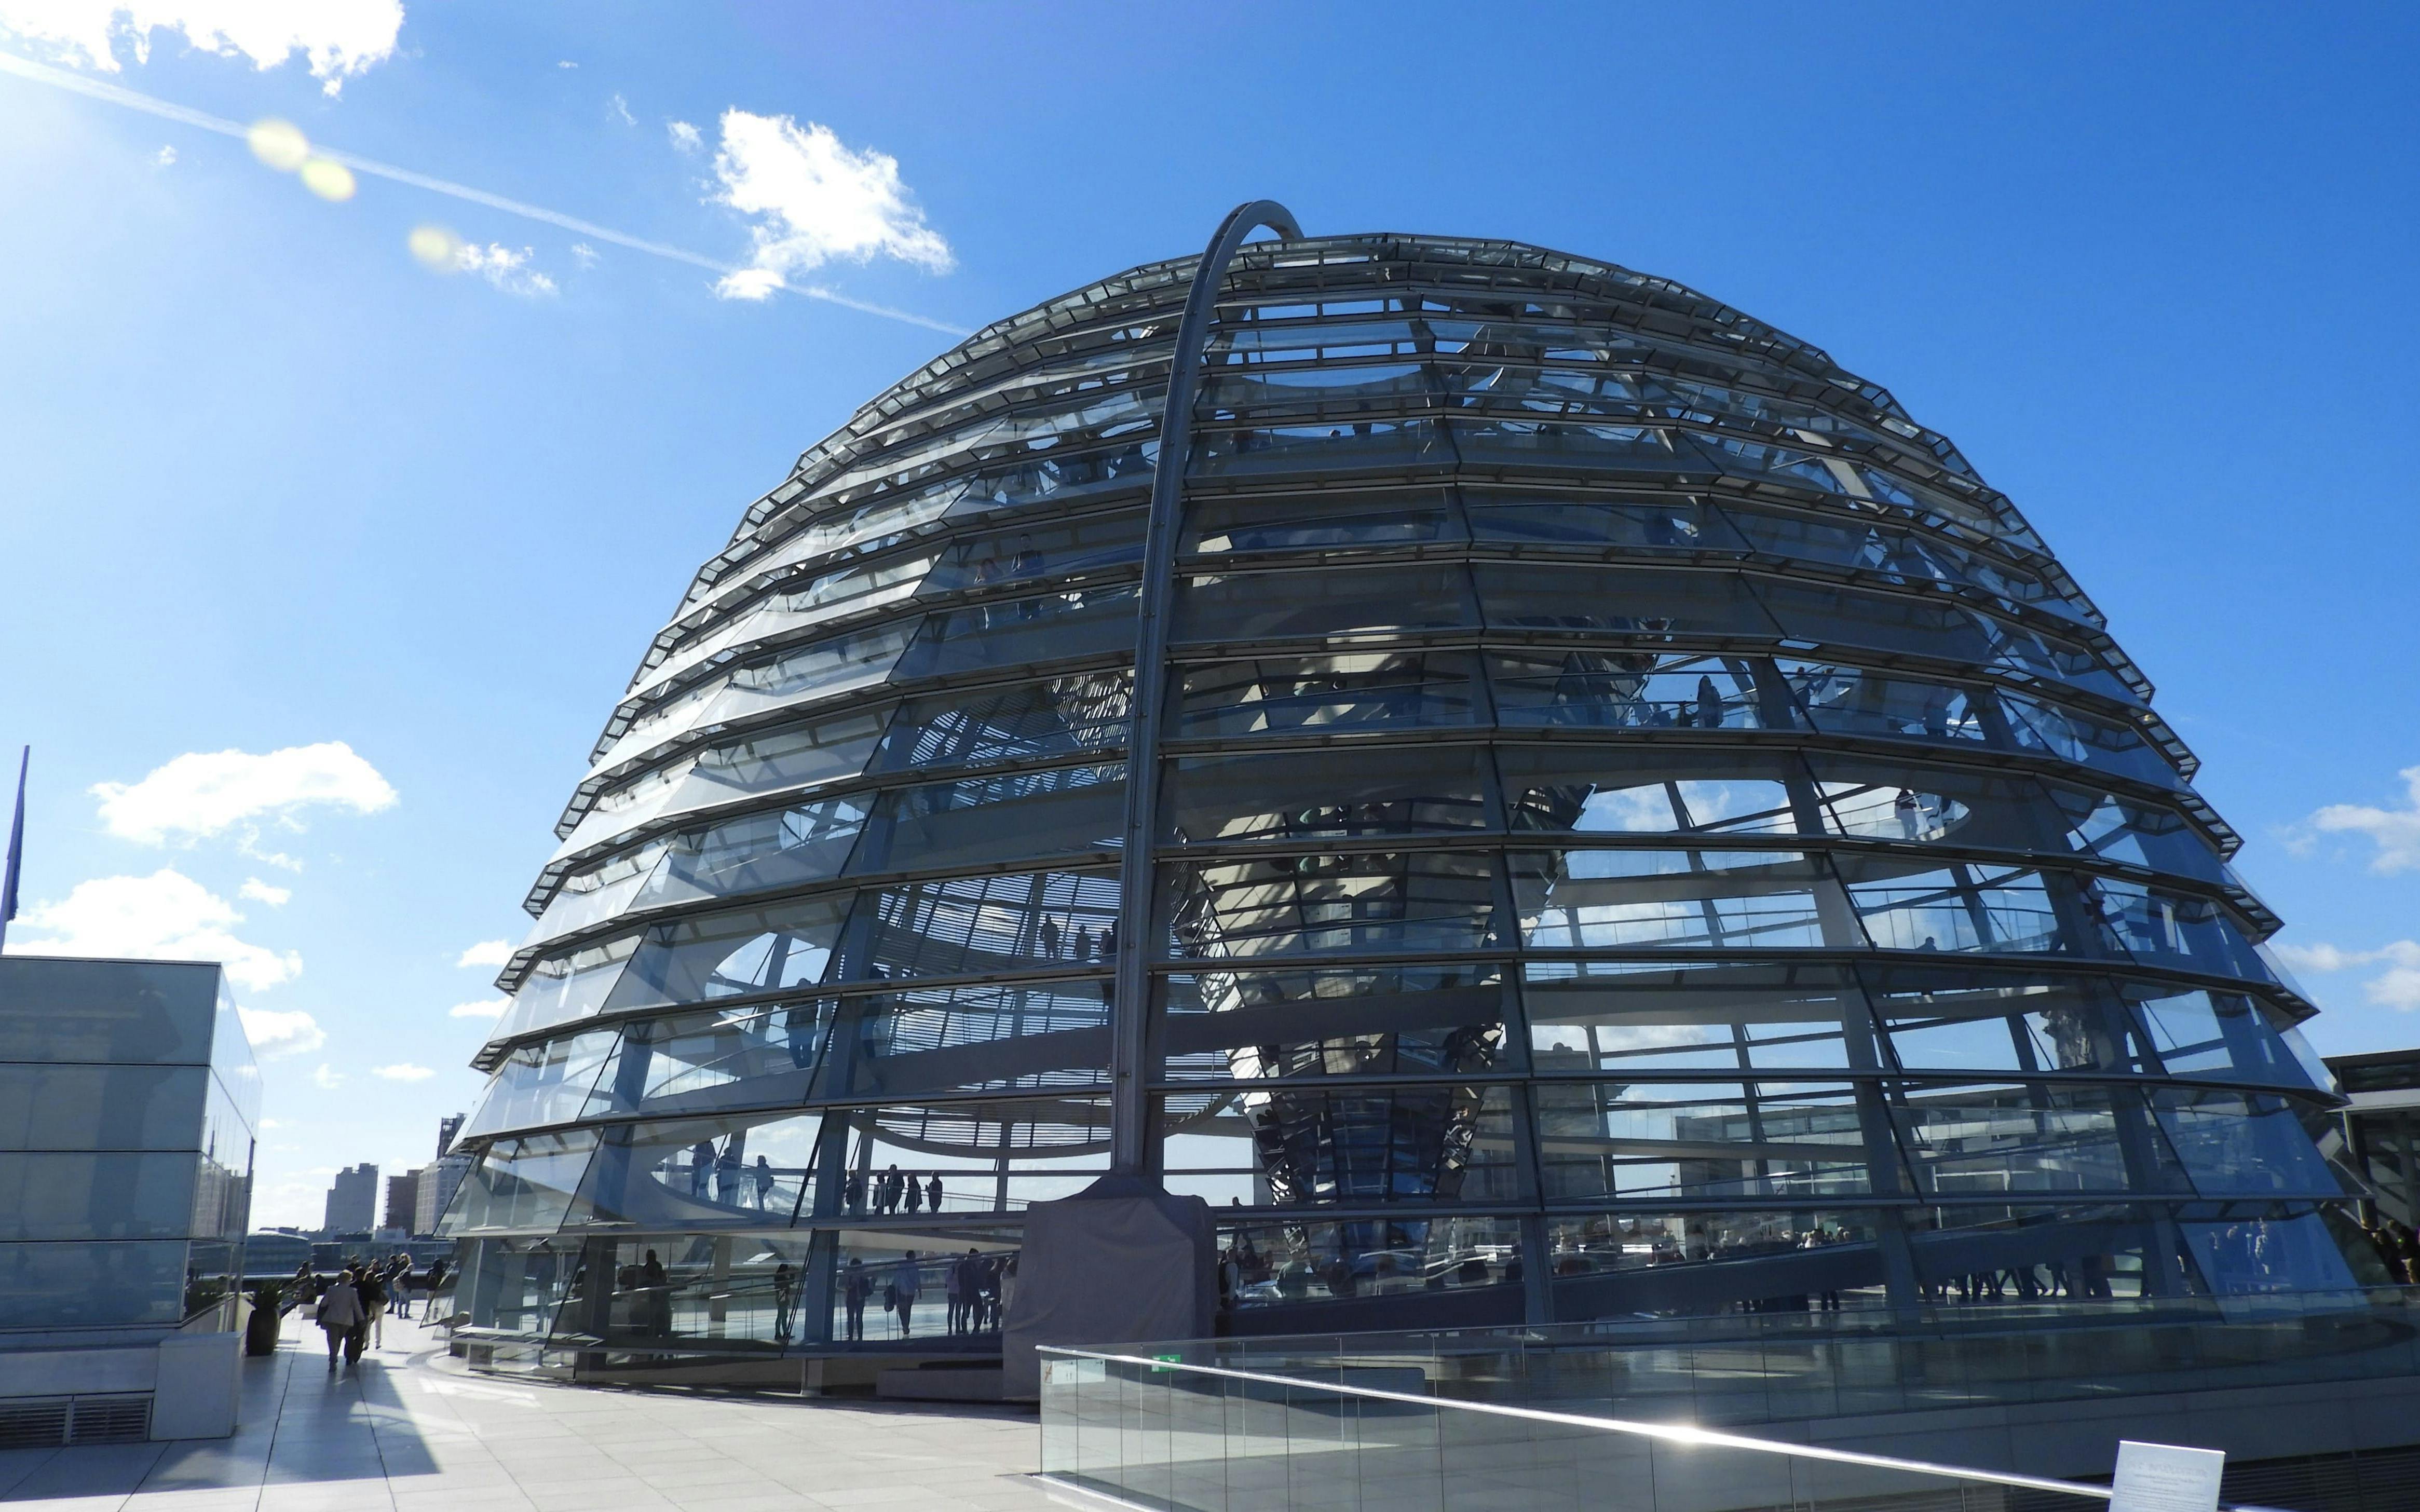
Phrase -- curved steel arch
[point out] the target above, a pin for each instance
(1130, 1014)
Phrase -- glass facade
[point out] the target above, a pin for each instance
(1643, 827)
(129, 1100)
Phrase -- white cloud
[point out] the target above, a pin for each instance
(686, 138)
(337, 39)
(262, 892)
(584, 255)
(207, 793)
(487, 953)
(567, 62)
(508, 269)
(166, 157)
(486, 1008)
(2397, 831)
(2397, 987)
(327, 1078)
(165, 917)
(268, 1124)
(621, 109)
(402, 1071)
(812, 200)
(286, 1032)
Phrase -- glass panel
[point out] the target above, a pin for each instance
(727, 954)
(1851, 700)
(852, 589)
(100, 1107)
(1056, 551)
(1290, 1145)
(222, 1173)
(1025, 1037)
(1266, 606)
(1630, 689)
(1917, 905)
(2165, 929)
(1949, 1018)
(1063, 715)
(1842, 616)
(1288, 905)
(1927, 805)
(1311, 795)
(1535, 596)
(1310, 1262)
(91, 1286)
(694, 1173)
(2111, 828)
(971, 925)
(2222, 1035)
(81, 1194)
(1342, 1021)
(236, 1072)
(1277, 695)
(1994, 1253)
(521, 1186)
(2242, 1143)
(1767, 1245)
(1327, 447)
(1014, 816)
(1565, 443)
(989, 1155)
(786, 848)
(797, 756)
(1423, 517)
(1667, 899)
(1647, 523)
(1643, 791)
(1718, 1018)
(1724, 1140)
(543, 1084)
(1084, 621)
(2071, 736)
(1986, 1141)
(560, 989)
(138, 1012)
(722, 1059)
(2252, 1256)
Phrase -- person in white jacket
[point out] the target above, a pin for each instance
(340, 1314)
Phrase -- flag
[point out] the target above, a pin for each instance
(16, 849)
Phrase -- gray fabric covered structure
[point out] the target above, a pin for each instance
(1117, 1263)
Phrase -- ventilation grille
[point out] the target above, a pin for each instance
(2370, 1480)
(47, 1422)
(32, 1422)
(111, 1419)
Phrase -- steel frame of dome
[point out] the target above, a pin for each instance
(1629, 821)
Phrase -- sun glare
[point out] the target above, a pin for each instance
(329, 180)
(279, 143)
(437, 250)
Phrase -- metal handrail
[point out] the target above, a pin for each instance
(1669, 1433)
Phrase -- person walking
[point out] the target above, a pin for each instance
(700, 1166)
(932, 1194)
(915, 1195)
(437, 1272)
(726, 1173)
(785, 1296)
(764, 1179)
(398, 1283)
(856, 1285)
(953, 1282)
(905, 1282)
(372, 1288)
(340, 1315)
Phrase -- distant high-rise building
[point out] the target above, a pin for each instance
(352, 1201)
(402, 1201)
(438, 1180)
(446, 1129)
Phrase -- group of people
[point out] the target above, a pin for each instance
(352, 1305)
(976, 1288)
(892, 1189)
(2400, 1247)
(732, 1180)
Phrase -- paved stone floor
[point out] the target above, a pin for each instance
(412, 1431)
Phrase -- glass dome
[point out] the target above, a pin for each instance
(1643, 827)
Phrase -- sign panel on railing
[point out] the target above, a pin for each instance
(2164, 1478)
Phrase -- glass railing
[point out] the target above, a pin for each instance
(1178, 1437)
(1752, 1369)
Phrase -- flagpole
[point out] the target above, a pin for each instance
(16, 850)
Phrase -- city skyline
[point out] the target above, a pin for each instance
(401, 532)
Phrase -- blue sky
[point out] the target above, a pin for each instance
(272, 485)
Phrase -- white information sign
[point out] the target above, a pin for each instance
(2163, 1477)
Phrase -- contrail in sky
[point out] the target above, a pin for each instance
(131, 100)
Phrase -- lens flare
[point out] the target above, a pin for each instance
(437, 249)
(328, 179)
(279, 143)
